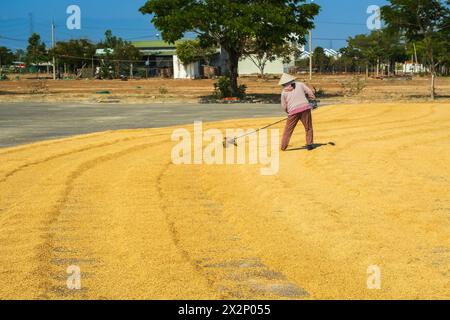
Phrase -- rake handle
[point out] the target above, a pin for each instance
(268, 126)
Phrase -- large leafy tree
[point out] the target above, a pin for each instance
(369, 48)
(121, 49)
(351, 59)
(6, 56)
(36, 50)
(232, 24)
(74, 53)
(378, 46)
(19, 55)
(190, 51)
(321, 60)
(261, 54)
(426, 22)
(120, 53)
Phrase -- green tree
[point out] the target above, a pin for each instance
(368, 49)
(422, 21)
(261, 54)
(121, 54)
(6, 56)
(190, 51)
(321, 60)
(36, 51)
(19, 55)
(377, 47)
(232, 24)
(74, 53)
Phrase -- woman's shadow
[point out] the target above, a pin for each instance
(316, 146)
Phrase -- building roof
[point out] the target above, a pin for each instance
(331, 52)
(158, 52)
(328, 52)
(155, 44)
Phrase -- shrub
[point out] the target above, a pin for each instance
(222, 89)
(39, 87)
(353, 87)
(163, 90)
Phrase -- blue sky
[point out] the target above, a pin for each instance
(338, 20)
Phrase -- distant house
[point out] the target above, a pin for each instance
(41, 67)
(411, 67)
(328, 52)
(19, 65)
(331, 53)
(161, 60)
(304, 55)
(248, 67)
(103, 52)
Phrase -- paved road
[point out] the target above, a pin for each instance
(22, 123)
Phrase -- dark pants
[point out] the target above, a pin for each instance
(306, 118)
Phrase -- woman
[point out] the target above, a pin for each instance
(294, 100)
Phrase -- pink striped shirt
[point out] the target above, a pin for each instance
(295, 101)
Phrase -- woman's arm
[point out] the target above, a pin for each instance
(284, 102)
(309, 93)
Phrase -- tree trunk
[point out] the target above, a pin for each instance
(233, 63)
(261, 69)
(433, 85)
(378, 67)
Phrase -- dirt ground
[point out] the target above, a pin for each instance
(169, 90)
(138, 226)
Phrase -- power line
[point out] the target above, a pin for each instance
(13, 39)
(107, 59)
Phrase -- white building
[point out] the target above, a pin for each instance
(411, 67)
(188, 71)
(332, 53)
(328, 52)
(304, 55)
(248, 67)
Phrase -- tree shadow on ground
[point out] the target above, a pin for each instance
(266, 98)
(316, 146)
(12, 93)
(422, 96)
(330, 95)
(263, 98)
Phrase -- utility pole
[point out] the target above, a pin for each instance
(53, 47)
(416, 64)
(310, 53)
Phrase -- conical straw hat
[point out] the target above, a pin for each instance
(286, 78)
